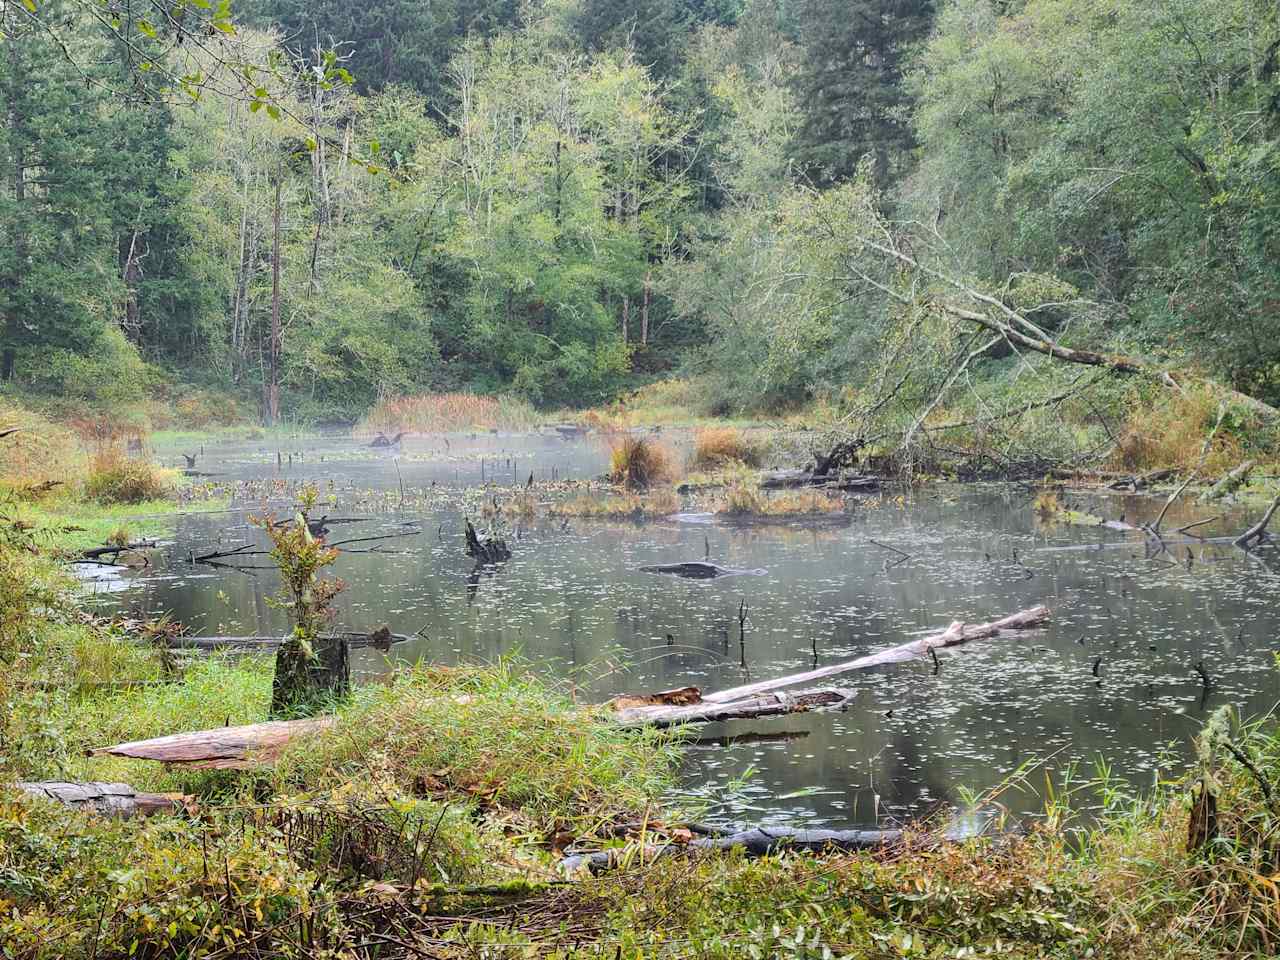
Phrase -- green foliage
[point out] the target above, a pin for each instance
(115, 478)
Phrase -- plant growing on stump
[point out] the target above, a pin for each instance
(310, 667)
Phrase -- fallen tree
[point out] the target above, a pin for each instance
(955, 635)
(696, 709)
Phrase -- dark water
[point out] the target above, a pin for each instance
(573, 601)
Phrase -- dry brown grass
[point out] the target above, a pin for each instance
(448, 412)
(717, 446)
(742, 499)
(640, 462)
(1172, 434)
(660, 503)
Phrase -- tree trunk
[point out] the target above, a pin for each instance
(644, 313)
(271, 412)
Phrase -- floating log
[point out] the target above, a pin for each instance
(379, 639)
(1229, 482)
(708, 711)
(760, 842)
(700, 570)
(223, 748)
(955, 635)
(381, 440)
(113, 799)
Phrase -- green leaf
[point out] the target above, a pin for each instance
(273, 111)
(146, 28)
(375, 147)
(30, 5)
(255, 106)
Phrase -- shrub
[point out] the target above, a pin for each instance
(717, 446)
(116, 478)
(638, 463)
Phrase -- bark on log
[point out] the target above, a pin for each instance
(1229, 482)
(98, 553)
(223, 748)
(708, 711)
(759, 842)
(956, 634)
(113, 799)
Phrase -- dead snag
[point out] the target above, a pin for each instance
(490, 550)
(1258, 532)
(1229, 482)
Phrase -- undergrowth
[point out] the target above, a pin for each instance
(638, 463)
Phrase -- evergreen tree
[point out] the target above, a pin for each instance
(851, 83)
(56, 239)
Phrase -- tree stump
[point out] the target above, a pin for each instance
(307, 679)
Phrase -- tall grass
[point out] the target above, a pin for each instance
(447, 413)
(639, 463)
(38, 453)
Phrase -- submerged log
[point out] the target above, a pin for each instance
(759, 842)
(1258, 532)
(222, 748)
(955, 635)
(700, 570)
(113, 799)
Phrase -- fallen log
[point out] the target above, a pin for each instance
(1229, 482)
(955, 635)
(760, 842)
(113, 799)
(116, 549)
(378, 639)
(223, 748)
(707, 710)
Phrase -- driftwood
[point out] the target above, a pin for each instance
(380, 639)
(222, 748)
(700, 570)
(955, 635)
(759, 842)
(113, 799)
(1229, 482)
(97, 553)
(8, 431)
(381, 440)
(706, 711)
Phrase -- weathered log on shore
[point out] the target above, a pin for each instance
(955, 635)
(760, 842)
(112, 799)
(223, 748)
(708, 711)
(378, 639)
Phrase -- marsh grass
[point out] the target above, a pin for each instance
(638, 463)
(743, 498)
(494, 735)
(115, 478)
(628, 506)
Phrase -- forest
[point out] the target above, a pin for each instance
(780, 203)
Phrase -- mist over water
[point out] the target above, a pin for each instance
(572, 602)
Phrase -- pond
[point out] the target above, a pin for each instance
(572, 601)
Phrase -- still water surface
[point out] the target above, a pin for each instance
(572, 601)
